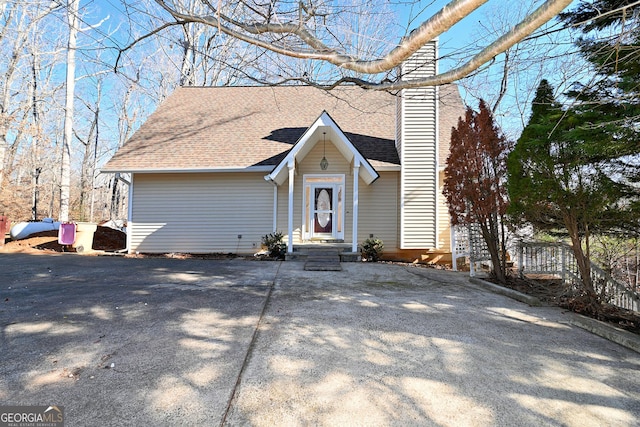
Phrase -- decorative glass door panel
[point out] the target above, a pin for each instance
(323, 211)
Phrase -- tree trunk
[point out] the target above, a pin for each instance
(3, 150)
(88, 159)
(84, 177)
(115, 198)
(583, 262)
(490, 235)
(65, 174)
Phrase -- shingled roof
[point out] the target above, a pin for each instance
(209, 128)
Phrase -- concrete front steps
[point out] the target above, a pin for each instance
(323, 260)
(323, 256)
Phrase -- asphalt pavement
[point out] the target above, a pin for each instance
(159, 341)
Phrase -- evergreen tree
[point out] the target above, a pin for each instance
(610, 101)
(563, 177)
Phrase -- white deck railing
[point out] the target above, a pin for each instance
(557, 260)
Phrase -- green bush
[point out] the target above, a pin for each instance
(274, 244)
(372, 249)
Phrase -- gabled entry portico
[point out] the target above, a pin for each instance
(326, 211)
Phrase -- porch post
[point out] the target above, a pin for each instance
(291, 166)
(356, 177)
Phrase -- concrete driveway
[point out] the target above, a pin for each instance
(156, 341)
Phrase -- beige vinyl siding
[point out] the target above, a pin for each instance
(283, 212)
(378, 210)
(200, 212)
(418, 155)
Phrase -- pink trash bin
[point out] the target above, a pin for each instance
(4, 228)
(67, 233)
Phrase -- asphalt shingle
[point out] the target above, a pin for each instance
(203, 128)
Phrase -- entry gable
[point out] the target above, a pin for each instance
(310, 138)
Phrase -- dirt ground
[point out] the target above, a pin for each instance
(552, 292)
(104, 239)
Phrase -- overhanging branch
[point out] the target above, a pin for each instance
(313, 48)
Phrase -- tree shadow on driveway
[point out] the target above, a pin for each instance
(127, 341)
(389, 345)
(161, 341)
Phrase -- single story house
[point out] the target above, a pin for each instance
(216, 168)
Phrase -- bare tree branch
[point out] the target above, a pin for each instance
(146, 36)
(312, 47)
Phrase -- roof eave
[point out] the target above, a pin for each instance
(188, 170)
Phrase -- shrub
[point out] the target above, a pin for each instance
(274, 244)
(372, 249)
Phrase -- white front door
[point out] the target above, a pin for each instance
(324, 207)
(323, 221)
